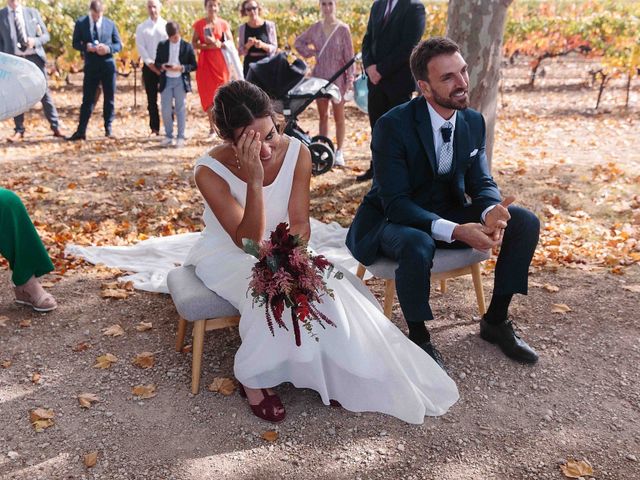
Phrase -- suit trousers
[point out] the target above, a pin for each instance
(95, 76)
(174, 92)
(48, 107)
(381, 101)
(414, 249)
(151, 85)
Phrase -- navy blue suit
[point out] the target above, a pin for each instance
(98, 69)
(408, 195)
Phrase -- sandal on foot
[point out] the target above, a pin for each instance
(269, 406)
(42, 303)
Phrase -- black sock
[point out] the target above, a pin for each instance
(498, 309)
(418, 332)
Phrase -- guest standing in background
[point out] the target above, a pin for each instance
(148, 35)
(97, 39)
(394, 28)
(329, 41)
(24, 34)
(257, 38)
(209, 33)
(176, 59)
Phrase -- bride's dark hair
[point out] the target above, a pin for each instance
(237, 104)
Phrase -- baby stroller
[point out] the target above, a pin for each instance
(292, 93)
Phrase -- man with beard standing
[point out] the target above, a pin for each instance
(432, 189)
(148, 35)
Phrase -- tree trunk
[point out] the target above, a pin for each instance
(478, 27)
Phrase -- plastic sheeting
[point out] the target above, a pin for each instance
(22, 85)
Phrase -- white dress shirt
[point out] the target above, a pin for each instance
(98, 26)
(148, 35)
(174, 58)
(18, 14)
(393, 5)
(442, 229)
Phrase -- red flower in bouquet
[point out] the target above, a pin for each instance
(288, 275)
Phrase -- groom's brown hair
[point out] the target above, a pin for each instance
(428, 49)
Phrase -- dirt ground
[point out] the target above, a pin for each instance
(578, 169)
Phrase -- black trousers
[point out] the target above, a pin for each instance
(151, 84)
(414, 249)
(95, 76)
(48, 107)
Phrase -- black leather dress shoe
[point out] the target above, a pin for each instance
(433, 353)
(108, 133)
(509, 342)
(76, 136)
(368, 175)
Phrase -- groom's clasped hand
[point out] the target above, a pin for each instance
(488, 235)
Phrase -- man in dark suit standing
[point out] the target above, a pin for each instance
(97, 38)
(394, 28)
(432, 188)
(23, 33)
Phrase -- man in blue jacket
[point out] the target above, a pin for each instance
(432, 188)
(97, 39)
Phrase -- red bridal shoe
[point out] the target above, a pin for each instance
(269, 409)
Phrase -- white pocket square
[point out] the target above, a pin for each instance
(473, 153)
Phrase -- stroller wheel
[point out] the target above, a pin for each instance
(321, 158)
(322, 139)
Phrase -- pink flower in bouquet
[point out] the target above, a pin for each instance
(288, 275)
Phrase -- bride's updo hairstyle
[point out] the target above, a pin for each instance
(237, 104)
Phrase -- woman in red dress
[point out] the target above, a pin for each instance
(209, 33)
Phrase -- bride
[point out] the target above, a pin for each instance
(252, 182)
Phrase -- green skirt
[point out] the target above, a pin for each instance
(19, 240)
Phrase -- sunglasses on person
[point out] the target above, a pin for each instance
(253, 8)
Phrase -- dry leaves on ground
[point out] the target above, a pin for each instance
(36, 378)
(144, 326)
(25, 323)
(41, 418)
(118, 290)
(144, 391)
(87, 399)
(81, 347)
(632, 288)
(105, 361)
(6, 363)
(270, 435)
(144, 360)
(223, 385)
(560, 308)
(90, 459)
(3, 321)
(576, 469)
(113, 331)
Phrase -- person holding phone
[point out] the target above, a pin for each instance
(176, 60)
(209, 34)
(257, 37)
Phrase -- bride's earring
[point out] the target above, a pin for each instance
(237, 162)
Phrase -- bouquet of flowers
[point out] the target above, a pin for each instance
(288, 275)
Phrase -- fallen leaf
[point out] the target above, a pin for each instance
(90, 459)
(632, 288)
(36, 377)
(81, 347)
(144, 391)
(105, 361)
(113, 331)
(26, 323)
(113, 293)
(144, 360)
(187, 348)
(6, 364)
(270, 435)
(576, 469)
(551, 288)
(560, 308)
(144, 326)
(87, 399)
(223, 385)
(3, 321)
(41, 418)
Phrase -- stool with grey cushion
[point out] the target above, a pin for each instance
(197, 304)
(447, 263)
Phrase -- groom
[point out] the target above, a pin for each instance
(432, 189)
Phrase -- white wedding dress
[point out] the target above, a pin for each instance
(365, 363)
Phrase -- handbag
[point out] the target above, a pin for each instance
(232, 59)
(361, 92)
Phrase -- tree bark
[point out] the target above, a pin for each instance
(478, 27)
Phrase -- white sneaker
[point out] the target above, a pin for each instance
(180, 143)
(166, 142)
(338, 159)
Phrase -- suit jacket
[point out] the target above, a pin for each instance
(186, 57)
(405, 171)
(108, 35)
(34, 26)
(389, 45)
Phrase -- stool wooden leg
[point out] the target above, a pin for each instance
(477, 285)
(443, 286)
(198, 346)
(361, 271)
(389, 296)
(182, 329)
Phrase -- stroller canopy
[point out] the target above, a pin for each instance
(275, 75)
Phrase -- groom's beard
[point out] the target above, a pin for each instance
(451, 102)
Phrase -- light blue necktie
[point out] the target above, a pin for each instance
(445, 159)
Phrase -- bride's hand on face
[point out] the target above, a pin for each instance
(247, 150)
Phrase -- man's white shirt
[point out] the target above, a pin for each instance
(174, 58)
(148, 35)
